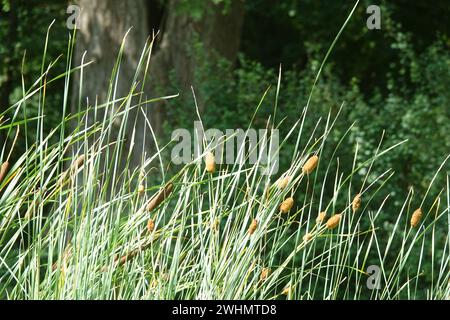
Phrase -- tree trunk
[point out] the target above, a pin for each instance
(218, 31)
(102, 27)
(105, 22)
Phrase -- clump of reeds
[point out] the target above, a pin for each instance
(333, 222)
(156, 200)
(286, 205)
(210, 162)
(416, 217)
(310, 165)
(356, 203)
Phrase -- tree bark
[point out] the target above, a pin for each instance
(105, 22)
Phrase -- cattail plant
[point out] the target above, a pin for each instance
(160, 197)
(210, 162)
(333, 222)
(307, 237)
(150, 225)
(356, 203)
(310, 165)
(321, 217)
(78, 163)
(253, 227)
(283, 182)
(3, 170)
(141, 189)
(286, 205)
(416, 217)
(265, 272)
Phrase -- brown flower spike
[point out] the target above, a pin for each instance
(307, 237)
(264, 274)
(286, 205)
(4, 170)
(321, 217)
(416, 217)
(283, 182)
(253, 226)
(333, 222)
(310, 165)
(160, 197)
(356, 203)
(210, 162)
(150, 225)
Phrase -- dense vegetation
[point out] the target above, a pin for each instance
(379, 88)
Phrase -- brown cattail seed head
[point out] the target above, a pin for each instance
(264, 274)
(416, 217)
(321, 217)
(307, 237)
(78, 162)
(210, 162)
(253, 226)
(160, 197)
(283, 182)
(141, 189)
(286, 205)
(356, 203)
(333, 222)
(150, 225)
(310, 165)
(4, 170)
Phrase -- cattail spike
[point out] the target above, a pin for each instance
(321, 217)
(150, 225)
(253, 226)
(160, 197)
(283, 182)
(310, 165)
(286, 205)
(356, 203)
(210, 162)
(333, 222)
(4, 170)
(416, 217)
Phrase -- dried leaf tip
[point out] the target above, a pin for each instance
(333, 222)
(310, 165)
(160, 197)
(253, 226)
(356, 203)
(416, 217)
(286, 205)
(210, 162)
